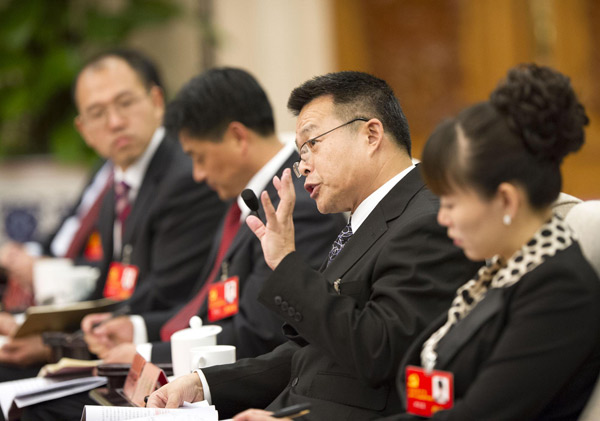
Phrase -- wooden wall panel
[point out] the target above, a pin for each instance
(575, 53)
(413, 45)
(442, 55)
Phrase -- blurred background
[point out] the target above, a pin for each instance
(438, 55)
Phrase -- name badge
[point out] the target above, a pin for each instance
(93, 249)
(427, 393)
(223, 299)
(142, 379)
(121, 280)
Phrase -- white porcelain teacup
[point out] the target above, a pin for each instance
(58, 281)
(184, 340)
(206, 356)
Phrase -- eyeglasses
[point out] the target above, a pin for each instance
(124, 105)
(307, 146)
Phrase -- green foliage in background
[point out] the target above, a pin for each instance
(43, 43)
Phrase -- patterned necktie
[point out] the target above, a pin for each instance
(340, 242)
(122, 204)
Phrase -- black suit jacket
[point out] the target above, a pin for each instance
(395, 274)
(255, 330)
(527, 352)
(170, 228)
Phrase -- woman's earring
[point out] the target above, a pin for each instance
(506, 220)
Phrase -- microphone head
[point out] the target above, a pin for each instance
(250, 199)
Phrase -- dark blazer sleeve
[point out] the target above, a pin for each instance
(548, 344)
(411, 281)
(257, 380)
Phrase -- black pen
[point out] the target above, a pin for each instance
(121, 311)
(293, 411)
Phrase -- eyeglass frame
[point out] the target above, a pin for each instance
(122, 110)
(313, 140)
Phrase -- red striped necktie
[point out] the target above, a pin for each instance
(181, 320)
(87, 224)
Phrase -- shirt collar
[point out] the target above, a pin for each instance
(366, 206)
(263, 177)
(134, 174)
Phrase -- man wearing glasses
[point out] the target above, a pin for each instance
(391, 270)
(155, 222)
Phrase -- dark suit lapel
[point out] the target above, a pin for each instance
(360, 242)
(106, 224)
(376, 224)
(240, 238)
(148, 189)
(462, 332)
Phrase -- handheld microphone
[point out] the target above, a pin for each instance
(251, 201)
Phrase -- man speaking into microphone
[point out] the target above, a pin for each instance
(390, 271)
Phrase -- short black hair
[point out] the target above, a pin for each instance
(209, 102)
(357, 94)
(521, 135)
(141, 64)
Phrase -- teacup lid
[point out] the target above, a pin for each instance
(196, 330)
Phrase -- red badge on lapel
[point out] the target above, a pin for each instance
(93, 248)
(121, 280)
(223, 299)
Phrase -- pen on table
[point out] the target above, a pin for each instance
(292, 411)
(121, 311)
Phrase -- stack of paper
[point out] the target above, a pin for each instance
(28, 392)
(200, 411)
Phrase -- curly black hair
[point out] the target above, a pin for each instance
(521, 135)
(541, 107)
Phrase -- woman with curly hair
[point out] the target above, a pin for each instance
(521, 340)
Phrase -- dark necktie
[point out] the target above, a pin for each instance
(122, 203)
(181, 319)
(340, 242)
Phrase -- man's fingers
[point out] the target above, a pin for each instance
(100, 331)
(173, 401)
(287, 195)
(90, 320)
(10, 346)
(256, 225)
(268, 207)
(277, 182)
(156, 400)
(253, 415)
